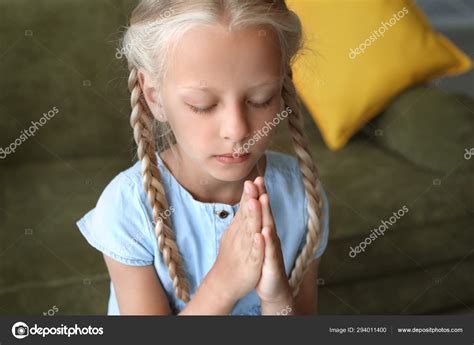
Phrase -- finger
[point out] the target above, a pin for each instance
(267, 216)
(245, 194)
(270, 246)
(254, 219)
(253, 190)
(273, 255)
(257, 254)
(259, 182)
(253, 193)
(248, 192)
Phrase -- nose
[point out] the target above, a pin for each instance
(235, 125)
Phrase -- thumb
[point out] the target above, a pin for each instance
(270, 248)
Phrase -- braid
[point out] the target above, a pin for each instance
(311, 185)
(141, 122)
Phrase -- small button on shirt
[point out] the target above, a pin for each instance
(223, 214)
(121, 226)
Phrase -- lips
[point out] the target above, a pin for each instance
(232, 155)
(228, 158)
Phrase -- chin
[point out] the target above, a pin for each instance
(231, 172)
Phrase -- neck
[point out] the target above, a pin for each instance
(213, 190)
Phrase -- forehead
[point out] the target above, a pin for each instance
(216, 55)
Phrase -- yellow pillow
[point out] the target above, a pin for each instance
(361, 54)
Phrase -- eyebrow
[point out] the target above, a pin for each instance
(256, 86)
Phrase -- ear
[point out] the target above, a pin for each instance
(151, 94)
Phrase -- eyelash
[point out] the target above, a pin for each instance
(208, 110)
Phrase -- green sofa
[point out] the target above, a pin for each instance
(62, 53)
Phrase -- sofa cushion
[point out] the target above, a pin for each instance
(62, 54)
(430, 127)
(353, 68)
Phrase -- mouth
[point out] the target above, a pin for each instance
(232, 158)
(233, 155)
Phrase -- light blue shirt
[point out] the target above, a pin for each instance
(121, 225)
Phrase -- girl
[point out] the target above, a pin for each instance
(208, 221)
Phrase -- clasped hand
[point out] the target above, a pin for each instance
(250, 255)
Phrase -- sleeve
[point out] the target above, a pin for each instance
(325, 224)
(118, 226)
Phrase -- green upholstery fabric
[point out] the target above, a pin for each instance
(67, 60)
(428, 126)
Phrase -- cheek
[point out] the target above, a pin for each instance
(264, 117)
(184, 123)
(265, 124)
(191, 130)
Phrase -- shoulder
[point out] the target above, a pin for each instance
(118, 225)
(120, 192)
(289, 200)
(135, 180)
(125, 191)
(282, 163)
(285, 168)
(282, 174)
(283, 179)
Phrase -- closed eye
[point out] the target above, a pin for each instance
(264, 104)
(199, 110)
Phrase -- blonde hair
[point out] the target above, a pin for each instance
(154, 25)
